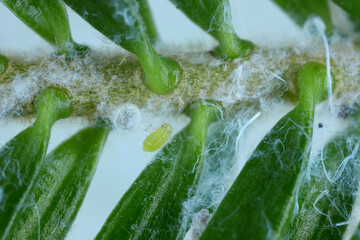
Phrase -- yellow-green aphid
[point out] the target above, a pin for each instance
(157, 138)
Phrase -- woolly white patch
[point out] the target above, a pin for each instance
(78, 76)
(216, 175)
(198, 225)
(219, 170)
(241, 133)
(126, 116)
(256, 78)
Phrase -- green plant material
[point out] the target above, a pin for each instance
(356, 235)
(260, 202)
(114, 79)
(151, 208)
(352, 7)
(3, 63)
(331, 192)
(214, 16)
(145, 12)
(50, 206)
(49, 19)
(22, 156)
(219, 165)
(122, 23)
(301, 10)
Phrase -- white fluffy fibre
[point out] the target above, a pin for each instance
(100, 82)
(219, 171)
(266, 73)
(55, 72)
(321, 29)
(215, 177)
(256, 78)
(330, 184)
(198, 225)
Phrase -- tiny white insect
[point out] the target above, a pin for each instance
(198, 225)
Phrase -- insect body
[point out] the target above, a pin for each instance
(157, 138)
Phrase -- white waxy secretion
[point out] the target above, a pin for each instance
(126, 116)
(199, 222)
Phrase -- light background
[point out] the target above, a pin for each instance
(123, 159)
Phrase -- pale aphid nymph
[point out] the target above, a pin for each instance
(157, 138)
